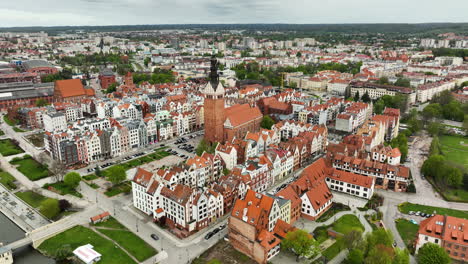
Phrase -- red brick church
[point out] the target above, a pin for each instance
(224, 124)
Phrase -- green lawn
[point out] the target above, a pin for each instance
(111, 223)
(31, 198)
(8, 148)
(79, 236)
(453, 149)
(406, 207)
(92, 185)
(124, 187)
(90, 177)
(343, 225)
(407, 231)
(457, 195)
(9, 121)
(334, 209)
(31, 168)
(334, 249)
(62, 189)
(17, 129)
(347, 223)
(131, 242)
(7, 180)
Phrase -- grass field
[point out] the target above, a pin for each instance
(343, 225)
(123, 187)
(9, 121)
(78, 236)
(7, 180)
(131, 242)
(334, 209)
(453, 149)
(31, 198)
(7, 148)
(31, 168)
(19, 130)
(407, 231)
(406, 207)
(111, 223)
(334, 249)
(62, 189)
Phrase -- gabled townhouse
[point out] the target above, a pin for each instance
(252, 226)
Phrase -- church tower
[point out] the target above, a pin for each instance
(214, 106)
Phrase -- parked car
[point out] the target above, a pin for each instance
(411, 213)
(222, 226)
(417, 213)
(216, 230)
(209, 235)
(154, 236)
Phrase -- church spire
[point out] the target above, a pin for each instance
(214, 76)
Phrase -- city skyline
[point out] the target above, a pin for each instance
(24, 13)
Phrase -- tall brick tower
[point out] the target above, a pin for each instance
(214, 106)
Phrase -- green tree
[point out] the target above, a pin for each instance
(356, 97)
(401, 256)
(355, 256)
(435, 147)
(267, 122)
(63, 252)
(379, 255)
(111, 88)
(432, 111)
(365, 97)
(432, 253)
(403, 82)
(204, 146)
(116, 174)
(50, 208)
(41, 102)
(435, 128)
(147, 61)
(301, 243)
(352, 239)
(72, 179)
(379, 106)
(383, 80)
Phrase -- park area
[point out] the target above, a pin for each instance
(8, 147)
(7, 180)
(78, 236)
(30, 167)
(455, 149)
(407, 231)
(343, 225)
(62, 189)
(407, 207)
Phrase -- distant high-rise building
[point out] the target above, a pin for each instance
(443, 43)
(175, 43)
(204, 44)
(221, 46)
(427, 43)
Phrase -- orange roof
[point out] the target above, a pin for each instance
(240, 114)
(70, 88)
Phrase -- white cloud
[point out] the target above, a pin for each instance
(119, 12)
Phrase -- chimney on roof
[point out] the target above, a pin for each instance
(244, 216)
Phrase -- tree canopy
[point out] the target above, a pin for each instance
(431, 253)
(267, 122)
(72, 179)
(301, 243)
(116, 174)
(50, 208)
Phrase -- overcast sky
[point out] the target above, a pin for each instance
(125, 12)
